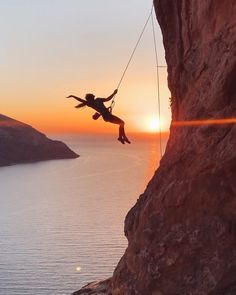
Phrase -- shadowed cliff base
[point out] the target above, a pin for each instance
(20, 143)
(182, 231)
(96, 288)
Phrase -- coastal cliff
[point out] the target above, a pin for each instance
(20, 143)
(182, 231)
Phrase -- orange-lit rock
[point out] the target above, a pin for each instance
(182, 231)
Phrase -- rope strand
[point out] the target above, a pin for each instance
(135, 47)
(158, 83)
(131, 56)
(157, 70)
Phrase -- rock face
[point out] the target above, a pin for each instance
(182, 231)
(95, 288)
(20, 143)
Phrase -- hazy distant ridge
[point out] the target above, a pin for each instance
(21, 143)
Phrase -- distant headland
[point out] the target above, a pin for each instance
(21, 143)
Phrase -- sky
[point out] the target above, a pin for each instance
(53, 48)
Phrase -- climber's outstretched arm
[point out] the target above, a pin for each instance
(109, 97)
(77, 98)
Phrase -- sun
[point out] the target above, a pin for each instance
(153, 124)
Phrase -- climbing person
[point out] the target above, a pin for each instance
(101, 110)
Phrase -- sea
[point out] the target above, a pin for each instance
(62, 221)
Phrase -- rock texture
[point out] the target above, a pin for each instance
(182, 231)
(96, 288)
(20, 143)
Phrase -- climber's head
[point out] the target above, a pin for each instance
(89, 97)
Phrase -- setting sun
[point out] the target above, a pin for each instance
(153, 124)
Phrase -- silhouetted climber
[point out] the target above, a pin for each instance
(101, 110)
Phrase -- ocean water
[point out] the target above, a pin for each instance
(61, 222)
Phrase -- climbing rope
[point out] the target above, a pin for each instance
(135, 47)
(150, 16)
(131, 56)
(158, 83)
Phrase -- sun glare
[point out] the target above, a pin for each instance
(153, 124)
(78, 269)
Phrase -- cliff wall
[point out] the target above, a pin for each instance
(182, 231)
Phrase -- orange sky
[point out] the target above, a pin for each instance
(52, 50)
